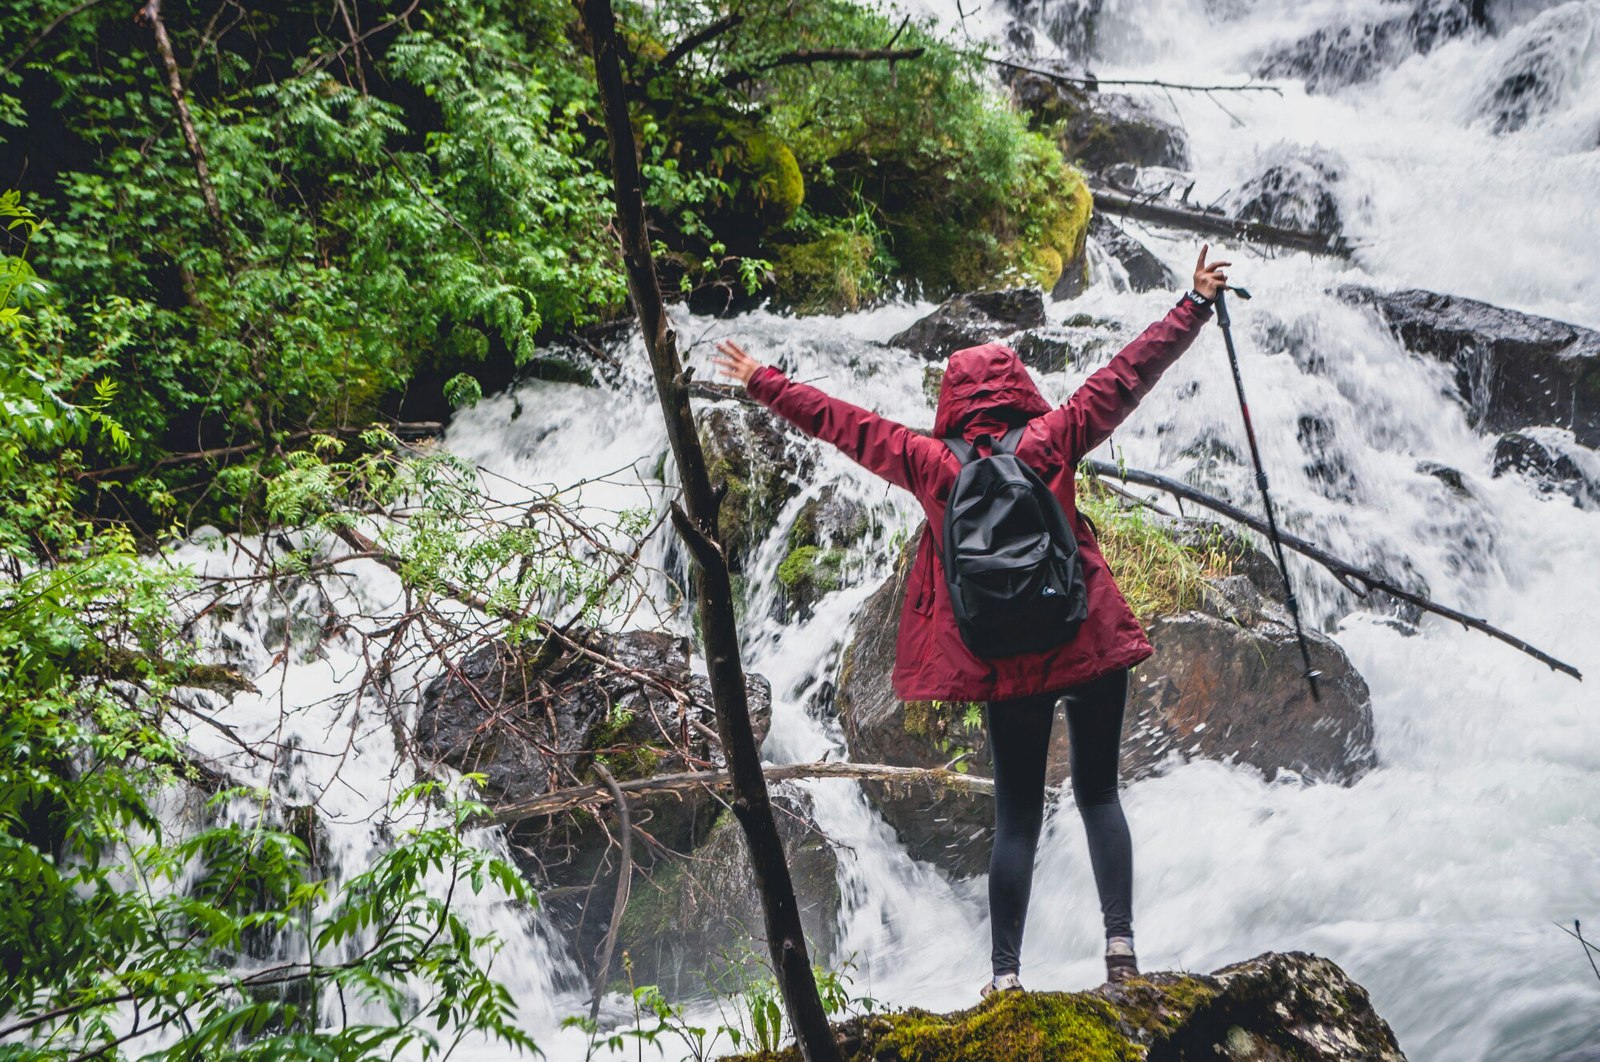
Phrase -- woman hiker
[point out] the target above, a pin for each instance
(987, 391)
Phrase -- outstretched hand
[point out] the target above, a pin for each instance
(735, 362)
(1209, 279)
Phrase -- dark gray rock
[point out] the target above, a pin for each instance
(1099, 130)
(973, 319)
(1294, 190)
(1225, 683)
(1513, 370)
(1078, 342)
(698, 923)
(1069, 24)
(1450, 477)
(1344, 54)
(1145, 271)
(1553, 461)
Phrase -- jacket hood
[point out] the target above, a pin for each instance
(986, 389)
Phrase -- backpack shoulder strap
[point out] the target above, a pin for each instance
(963, 450)
(1007, 443)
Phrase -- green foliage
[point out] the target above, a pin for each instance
(112, 933)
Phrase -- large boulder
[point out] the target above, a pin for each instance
(972, 319)
(1352, 51)
(1513, 370)
(1294, 190)
(1225, 683)
(698, 922)
(1273, 1008)
(532, 721)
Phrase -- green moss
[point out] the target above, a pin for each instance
(1014, 1027)
(1030, 227)
(811, 569)
(775, 178)
(625, 755)
(835, 273)
(932, 381)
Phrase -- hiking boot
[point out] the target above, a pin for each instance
(1120, 962)
(1002, 983)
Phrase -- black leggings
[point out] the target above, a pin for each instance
(1019, 742)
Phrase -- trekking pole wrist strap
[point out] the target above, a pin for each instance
(1194, 296)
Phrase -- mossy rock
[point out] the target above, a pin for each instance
(1034, 233)
(749, 458)
(1274, 1008)
(776, 185)
(807, 573)
(835, 273)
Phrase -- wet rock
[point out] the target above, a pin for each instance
(1326, 465)
(1450, 477)
(1554, 461)
(823, 533)
(1225, 683)
(1344, 54)
(1078, 342)
(1275, 1007)
(1099, 130)
(1538, 66)
(1069, 24)
(759, 464)
(698, 922)
(532, 722)
(1513, 370)
(1294, 190)
(972, 319)
(1145, 271)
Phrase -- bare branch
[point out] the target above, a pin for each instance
(1343, 570)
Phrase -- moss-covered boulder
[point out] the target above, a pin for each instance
(696, 924)
(838, 271)
(1028, 229)
(828, 529)
(1225, 683)
(771, 178)
(1277, 1007)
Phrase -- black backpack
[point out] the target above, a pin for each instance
(1010, 558)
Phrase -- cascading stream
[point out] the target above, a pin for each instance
(1434, 879)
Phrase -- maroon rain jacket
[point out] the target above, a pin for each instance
(986, 390)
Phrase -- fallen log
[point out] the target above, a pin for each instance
(1200, 219)
(563, 800)
(1348, 574)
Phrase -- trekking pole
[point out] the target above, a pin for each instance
(1311, 673)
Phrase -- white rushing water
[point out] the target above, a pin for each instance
(1435, 879)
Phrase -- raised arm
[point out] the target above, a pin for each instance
(880, 445)
(1106, 398)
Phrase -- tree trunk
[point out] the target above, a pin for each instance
(791, 961)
